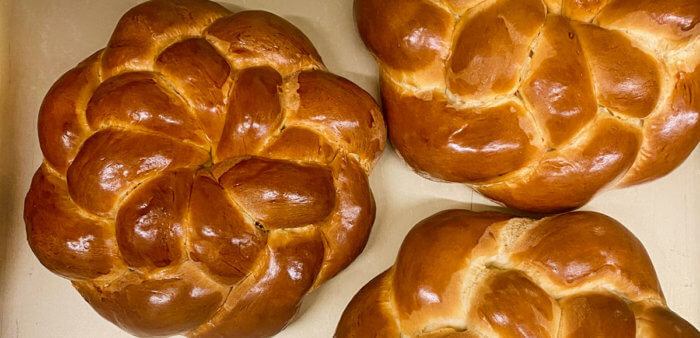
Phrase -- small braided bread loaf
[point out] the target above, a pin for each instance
(538, 104)
(467, 274)
(203, 172)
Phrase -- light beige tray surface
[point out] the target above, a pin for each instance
(41, 39)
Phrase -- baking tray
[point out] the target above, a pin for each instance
(39, 40)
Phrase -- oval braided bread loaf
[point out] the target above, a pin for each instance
(203, 172)
(538, 104)
(465, 274)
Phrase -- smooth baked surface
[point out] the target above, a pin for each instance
(466, 274)
(203, 172)
(538, 104)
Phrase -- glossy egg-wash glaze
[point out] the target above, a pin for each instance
(465, 274)
(203, 172)
(566, 65)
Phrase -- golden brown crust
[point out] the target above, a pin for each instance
(66, 242)
(410, 35)
(60, 113)
(279, 194)
(202, 173)
(263, 303)
(671, 135)
(465, 274)
(201, 76)
(421, 287)
(145, 30)
(627, 85)
(561, 248)
(150, 225)
(346, 231)
(596, 315)
(162, 305)
(458, 145)
(568, 178)
(261, 38)
(559, 88)
(112, 161)
(482, 68)
(211, 233)
(566, 66)
(582, 10)
(369, 313)
(139, 99)
(256, 88)
(511, 305)
(660, 322)
(343, 112)
(460, 6)
(675, 19)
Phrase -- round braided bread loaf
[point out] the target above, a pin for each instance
(203, 172)
(466, 274)
(538, 104)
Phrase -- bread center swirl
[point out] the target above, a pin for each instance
(203, 172)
